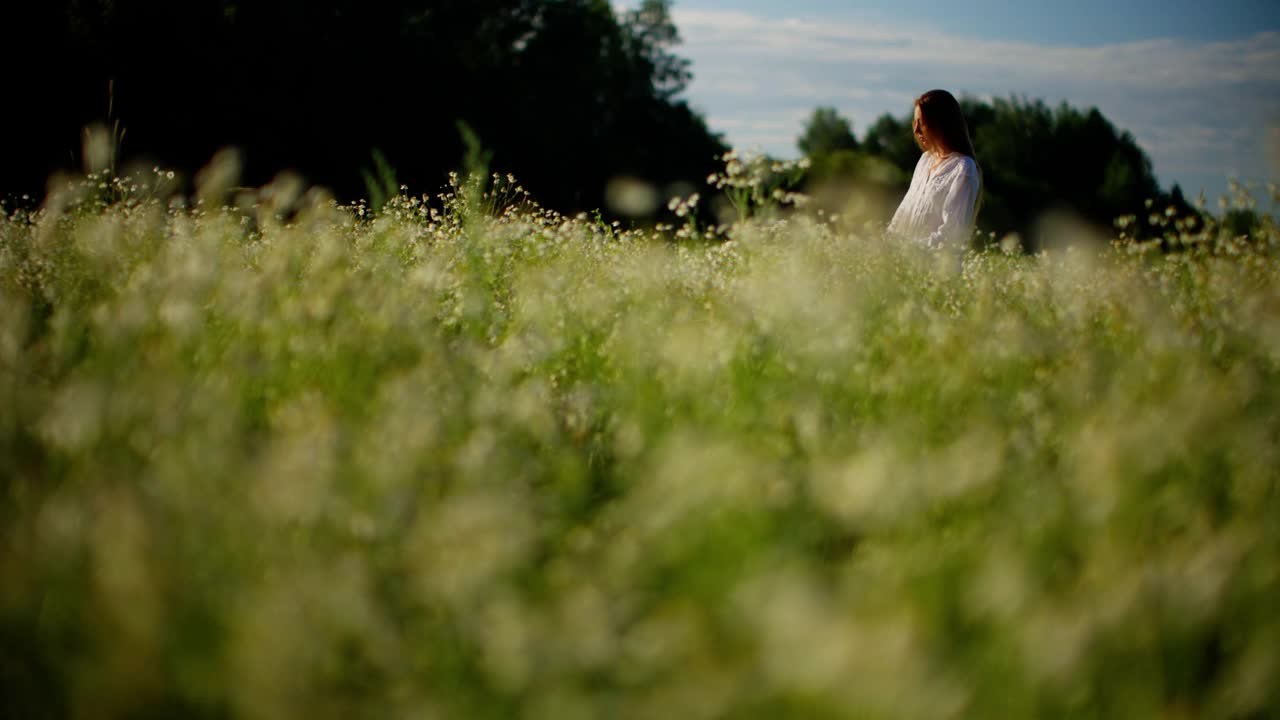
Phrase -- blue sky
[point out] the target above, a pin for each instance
(1072, 22)
(1197, 83)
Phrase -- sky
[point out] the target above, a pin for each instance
(1196, 83)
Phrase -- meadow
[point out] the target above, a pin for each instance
(264, 456)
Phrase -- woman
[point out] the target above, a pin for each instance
(939, 208)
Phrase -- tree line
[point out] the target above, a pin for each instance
(565, 94)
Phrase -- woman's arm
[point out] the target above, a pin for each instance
(899, 215)
(957, 210)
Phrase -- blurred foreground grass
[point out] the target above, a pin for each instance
(472, 459)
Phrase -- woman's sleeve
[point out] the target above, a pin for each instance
(893, 224)
(957, 211)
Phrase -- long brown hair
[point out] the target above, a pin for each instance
(941, 114)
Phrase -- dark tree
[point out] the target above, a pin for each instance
(564, 93)
(891, 138)
(826, 132)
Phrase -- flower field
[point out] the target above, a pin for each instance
(265, 456)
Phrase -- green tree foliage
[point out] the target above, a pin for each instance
(650, 35)
(826, 132)
(1037, 159)
(891, 138)
(839, 167)
(566, 93)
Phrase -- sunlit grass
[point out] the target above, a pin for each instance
(464, 457)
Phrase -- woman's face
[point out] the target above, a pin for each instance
(921, 131)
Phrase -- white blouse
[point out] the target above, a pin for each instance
(937, 210)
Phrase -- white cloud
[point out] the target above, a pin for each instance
(761, 130)
(1172, 63)
(1200, 109)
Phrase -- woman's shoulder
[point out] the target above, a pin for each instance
(965, 165)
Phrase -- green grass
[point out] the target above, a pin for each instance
(467, 458)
